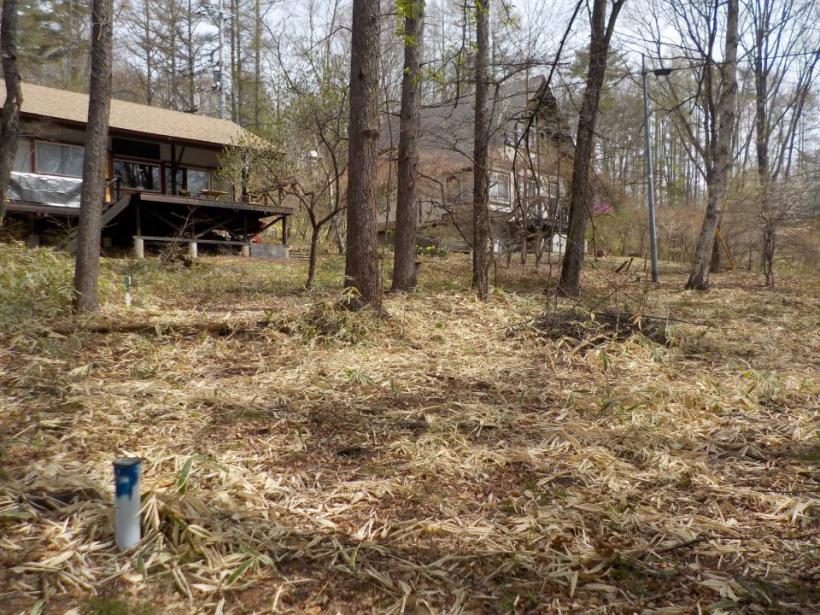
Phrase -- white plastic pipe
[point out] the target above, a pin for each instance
(128, 290)
(127, 501)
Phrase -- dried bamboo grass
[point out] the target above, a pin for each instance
(300, 458)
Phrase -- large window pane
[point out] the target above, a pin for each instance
(198, 181)
(180, 181)
(73, 161)
(59, 159)
(22, 158)
(49, 158)
(137, 175)
(190, 182)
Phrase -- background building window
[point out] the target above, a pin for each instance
(59, 159)
(500, 187)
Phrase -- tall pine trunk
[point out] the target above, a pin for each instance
(149, 54)
(257, 63)
(481, 214)
(362, 259)
(602, 29)
(190, 59)
(718, 179)
(10, 115)
(94, 166)
(762, 140)
(404, 266)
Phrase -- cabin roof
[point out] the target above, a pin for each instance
(129, 117)
(448, 127)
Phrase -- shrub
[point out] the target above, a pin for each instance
(38, 283)
(34, 283)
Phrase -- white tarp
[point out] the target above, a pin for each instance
(51, 190)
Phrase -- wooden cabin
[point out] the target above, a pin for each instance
(162, 184)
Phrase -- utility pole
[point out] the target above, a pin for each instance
(650, 175)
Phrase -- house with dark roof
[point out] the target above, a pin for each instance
(162, 180)
(530, 168)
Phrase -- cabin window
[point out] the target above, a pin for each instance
(190, 182)
(22, 158)
(500, 187)
(59, 159)
(139, 175)
(197, 180)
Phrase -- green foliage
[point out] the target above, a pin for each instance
(406, 8)
(184, 474)
(439, 251)
(117, 606)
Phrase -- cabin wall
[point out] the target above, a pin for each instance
(195, 157)
(53, 181)
(50, 131)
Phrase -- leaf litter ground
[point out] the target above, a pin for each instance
(447, 456)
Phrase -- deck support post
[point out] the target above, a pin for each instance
(139, 247)
(246, 248)
(193, 251)
(33, 240)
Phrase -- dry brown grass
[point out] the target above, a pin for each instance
(445, 457)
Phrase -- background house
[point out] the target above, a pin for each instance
(162, 183)
(529, 177)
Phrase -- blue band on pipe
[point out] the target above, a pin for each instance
(126, 476)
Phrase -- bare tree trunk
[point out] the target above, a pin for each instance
(404, 265)
(718, 178)
(190, 59)
(716, 259)
(362, 259)
(257, 59)
(481, 218)
(768, 250)
(762, 26)
(149, 54)
(10, 115)
(338, 237)
(235, 51)
(314, 249)
(602, 29)
(96, 145)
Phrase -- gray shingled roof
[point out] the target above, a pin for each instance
(447, 128)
